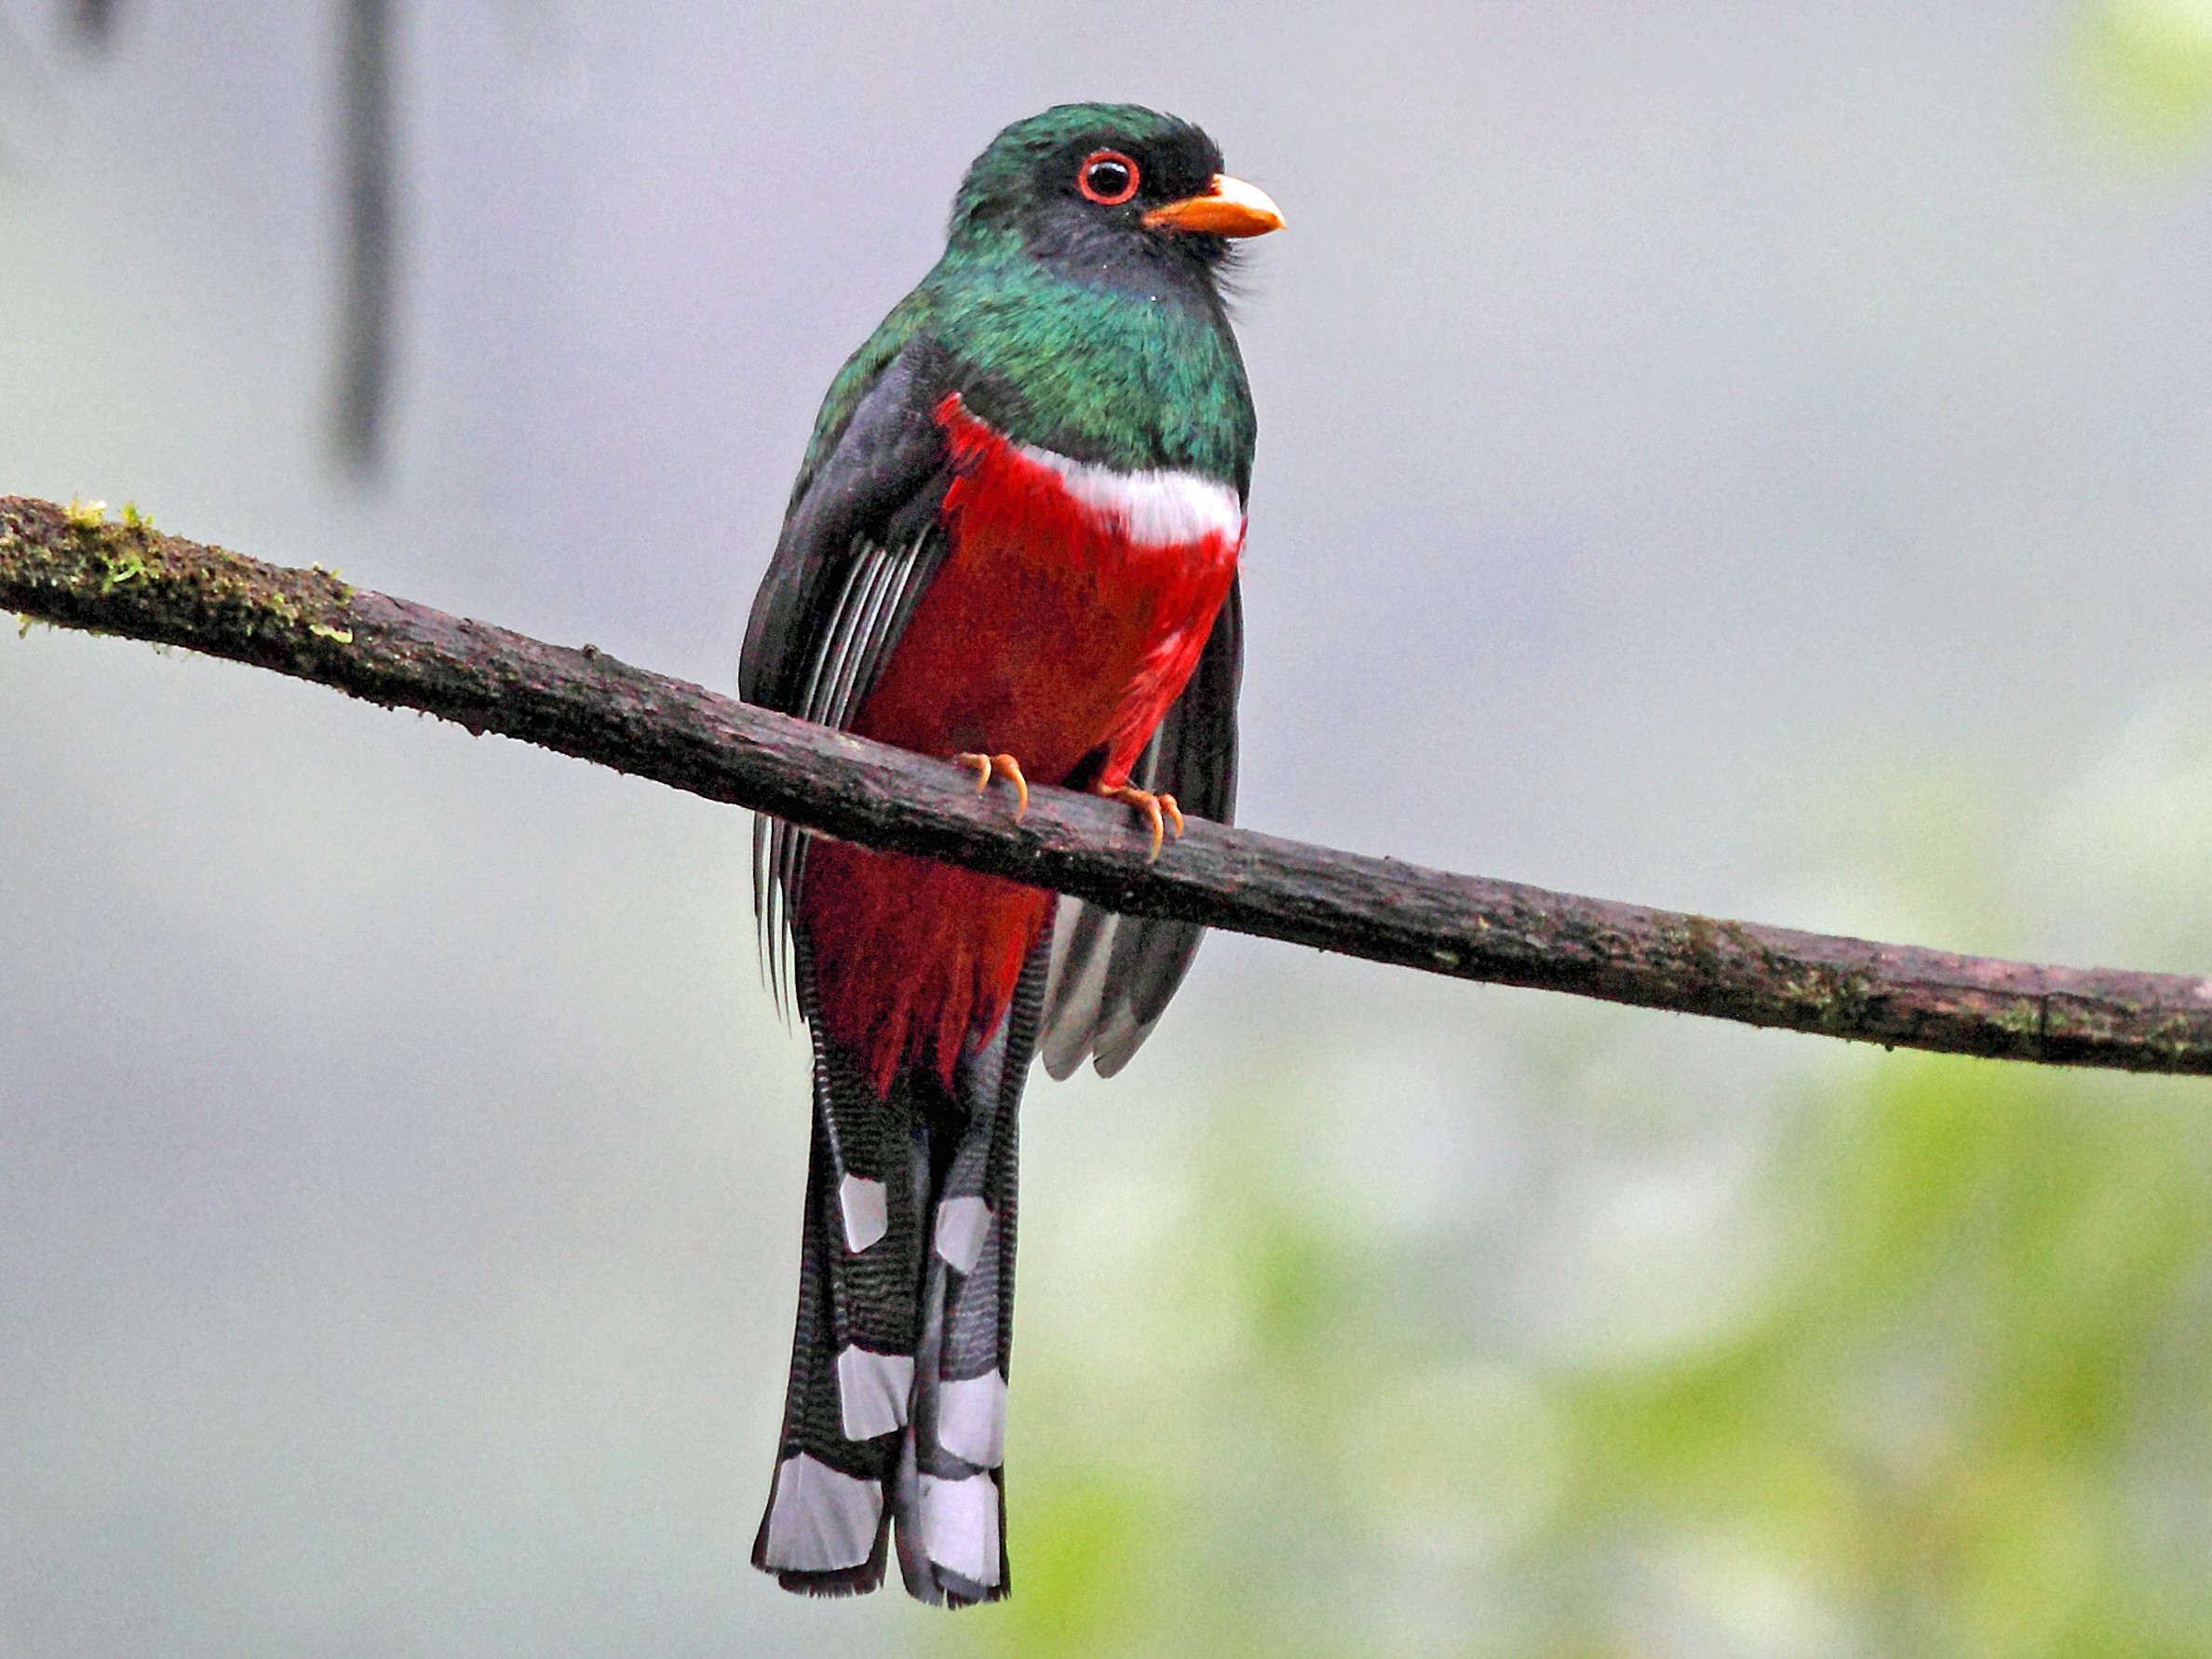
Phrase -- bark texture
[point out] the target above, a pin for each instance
(74, 569)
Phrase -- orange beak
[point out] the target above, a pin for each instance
(1229, 208)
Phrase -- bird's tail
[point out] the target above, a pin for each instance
(896, 1410)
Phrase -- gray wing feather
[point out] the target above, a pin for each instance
(880, 592)
(1111, 975)
(859, 547)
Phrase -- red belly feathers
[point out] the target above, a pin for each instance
(1071, 608)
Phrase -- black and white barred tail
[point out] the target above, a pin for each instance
(895, 1418)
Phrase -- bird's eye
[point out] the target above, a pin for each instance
(1107, 177)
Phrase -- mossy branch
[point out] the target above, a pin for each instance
(74, 567)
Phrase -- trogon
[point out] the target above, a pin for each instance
(1013, 546)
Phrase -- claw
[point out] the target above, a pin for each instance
(989, 766)
(1159, 811)
(1008, 767)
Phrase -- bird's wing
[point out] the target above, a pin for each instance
(859, 547)
(876, 456)
(1111, 975)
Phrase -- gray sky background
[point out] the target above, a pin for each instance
(1677, 425)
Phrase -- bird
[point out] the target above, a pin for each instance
(1013, 546)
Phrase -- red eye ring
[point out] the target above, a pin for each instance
(1108, 191)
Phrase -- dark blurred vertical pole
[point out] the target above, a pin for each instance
(365, 317)
(94, 20)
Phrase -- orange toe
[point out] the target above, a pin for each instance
(986, 767)
(1159, 811)
(1008, 767)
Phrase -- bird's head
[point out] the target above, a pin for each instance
(1106, 190)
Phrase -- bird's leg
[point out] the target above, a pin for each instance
(989, 766)
(1159, 810)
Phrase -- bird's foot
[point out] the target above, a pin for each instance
(1160, 810)
(986, 767)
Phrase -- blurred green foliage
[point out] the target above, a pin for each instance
(1965, 1414)
(2146, 66)
(1913, 1356)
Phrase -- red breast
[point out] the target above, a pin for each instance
(1071, 606)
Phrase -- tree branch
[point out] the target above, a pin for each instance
(69, 568)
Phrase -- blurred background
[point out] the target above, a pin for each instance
(1755, 458)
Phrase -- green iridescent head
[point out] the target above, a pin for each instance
(1105, 189)
(1078, 305)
